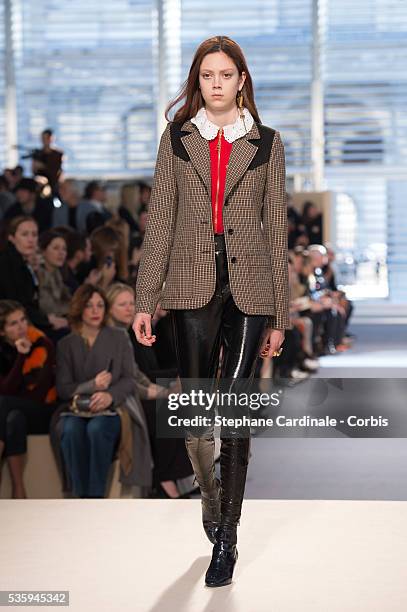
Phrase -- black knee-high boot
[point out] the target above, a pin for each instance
(201, 450)
(234, 460)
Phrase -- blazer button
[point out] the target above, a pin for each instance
(226, 203)
(230, 230)
(233, 259)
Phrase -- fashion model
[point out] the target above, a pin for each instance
(215, 256)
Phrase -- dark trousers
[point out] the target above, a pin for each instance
(169, 454)
(19, 417)
(200, 332)
(292, 350)
(88, 447)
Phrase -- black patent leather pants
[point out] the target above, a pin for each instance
(199, 334)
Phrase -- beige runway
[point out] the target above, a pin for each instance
(151, 555)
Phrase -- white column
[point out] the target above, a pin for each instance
(169, 56)
(10, 92)
(317, 94)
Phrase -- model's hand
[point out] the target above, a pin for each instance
(272, 341)
(142, 329)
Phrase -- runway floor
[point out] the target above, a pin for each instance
(152, 555)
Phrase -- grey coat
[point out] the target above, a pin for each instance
(77, 367)
(54, 296)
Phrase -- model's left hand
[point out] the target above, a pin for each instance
(272, 341)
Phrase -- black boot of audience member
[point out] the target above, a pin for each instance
(234, 460)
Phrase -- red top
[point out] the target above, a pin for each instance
(220, 152)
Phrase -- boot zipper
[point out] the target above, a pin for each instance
(218, 146)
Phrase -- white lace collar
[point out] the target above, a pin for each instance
(231, 131)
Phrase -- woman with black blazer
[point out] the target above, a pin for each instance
(18, 278)
(215, 256)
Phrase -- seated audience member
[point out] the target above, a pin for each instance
(7, 198)
(122, 312)
(105, 264)
(79, 253)
(18, 279)
(123, 232)
(135, 253)
(293, 218)
(146, 356)
(95, 361)
(13, 176)
(129, 204)
(329, 276)
(91, 212)
(142, 222)
(68, 198)
(311, 220)
(142, 219)
(28, 202)
(54, 295)
(297, 361)
(301, 239)
(326, 313)
(27, 390)
(300, 302)
(145, 193)
(121, 303)
(171, 461)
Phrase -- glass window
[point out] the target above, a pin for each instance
(87, 71)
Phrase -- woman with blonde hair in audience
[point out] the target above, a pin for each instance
(129, 205)
(170, 456)
(123, 231)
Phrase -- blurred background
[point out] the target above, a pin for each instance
(329, 75)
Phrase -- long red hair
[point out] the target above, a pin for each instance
(190, 88)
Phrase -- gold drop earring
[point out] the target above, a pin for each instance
(240, 102)
(240, 107)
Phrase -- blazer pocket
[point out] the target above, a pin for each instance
(260, 279)
(179, 282)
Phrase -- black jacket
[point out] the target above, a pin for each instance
(42, 213)
(17, 283)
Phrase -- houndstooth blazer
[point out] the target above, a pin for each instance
(177, 267)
